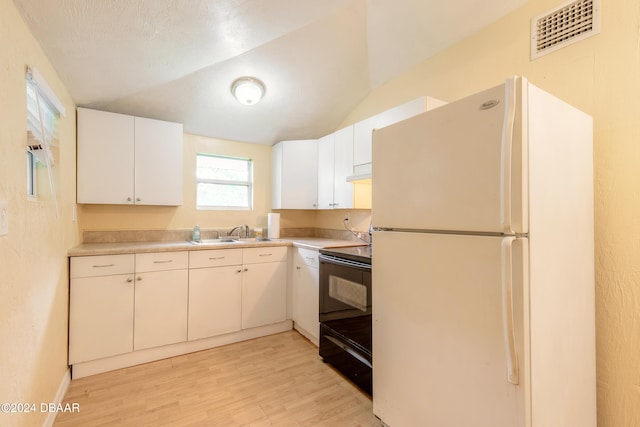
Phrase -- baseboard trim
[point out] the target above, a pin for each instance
(306, 334)
(62, 391)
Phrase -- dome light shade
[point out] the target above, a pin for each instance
(248, 90)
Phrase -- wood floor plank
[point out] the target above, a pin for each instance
(277, 380)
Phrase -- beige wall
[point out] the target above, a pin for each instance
(33, 263)
(326, 219)
(602, 77)
(112, 217)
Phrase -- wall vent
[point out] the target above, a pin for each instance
(567, 24)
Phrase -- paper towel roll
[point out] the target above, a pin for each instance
(273, 223)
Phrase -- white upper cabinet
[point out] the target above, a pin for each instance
(295, 174)
(105, 157)
(335, 163)
(326, 157)
(343, 166)
(128, 160)
(158, 162)
(362, 130)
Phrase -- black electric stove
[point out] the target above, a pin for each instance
(345, 312)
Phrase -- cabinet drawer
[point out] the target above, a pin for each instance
(266, 254)
(215, 258)
(309, 257)
(101, 265)
(159, 261)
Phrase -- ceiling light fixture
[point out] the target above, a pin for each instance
(248, 90)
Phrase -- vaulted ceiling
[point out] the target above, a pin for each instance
(176, 59)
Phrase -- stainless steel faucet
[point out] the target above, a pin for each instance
(240, 229)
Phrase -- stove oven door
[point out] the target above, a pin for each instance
(345, 318)
(345, 289)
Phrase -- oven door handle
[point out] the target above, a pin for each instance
(349, 350)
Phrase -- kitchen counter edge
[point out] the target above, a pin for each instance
(90, 249)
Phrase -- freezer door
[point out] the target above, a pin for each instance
(457, 167)
(444, 313)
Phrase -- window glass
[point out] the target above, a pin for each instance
(223, 182)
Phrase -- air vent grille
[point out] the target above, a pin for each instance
(567, 24)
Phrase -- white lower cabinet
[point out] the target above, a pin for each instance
(264, 286)
(215, 292)
(305, 292)
(160, 309)
(100, 307)
(130, 309)
(160, 299)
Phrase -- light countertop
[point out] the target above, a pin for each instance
(322, 243)
(88, 249)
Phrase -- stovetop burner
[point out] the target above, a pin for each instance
(354, 253)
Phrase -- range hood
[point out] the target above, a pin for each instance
(360, 173)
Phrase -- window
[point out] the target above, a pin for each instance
(43, 111)
(223, 182)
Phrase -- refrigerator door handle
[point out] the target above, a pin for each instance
(507, 310)
(506, 149)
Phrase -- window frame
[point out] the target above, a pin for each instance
(247, 184)
(32, 177)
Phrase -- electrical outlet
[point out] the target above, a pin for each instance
(4, 219)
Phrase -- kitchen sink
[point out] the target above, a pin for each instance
(262, 239)
(214, 241)
(227, 240)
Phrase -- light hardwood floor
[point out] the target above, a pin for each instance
(277, 380)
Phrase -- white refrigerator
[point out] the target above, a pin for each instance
(483, 264)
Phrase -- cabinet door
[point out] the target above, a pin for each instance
(160, 308)
(305, 293)
(215, 301)
(105, 157)
(158, 162)
(295, 177)
(276, 175)
(343, 167)
(326, 163)
(100, 317)
(264, 294)
(363, 130)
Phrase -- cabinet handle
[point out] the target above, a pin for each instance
(215, 258)
(163, 262)
(265, 254)
(138, 199)
(129, 280)
(246, 269)
(298, 268)
(128, 199)
(239, 271)
(139, 278)
(104, 266)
